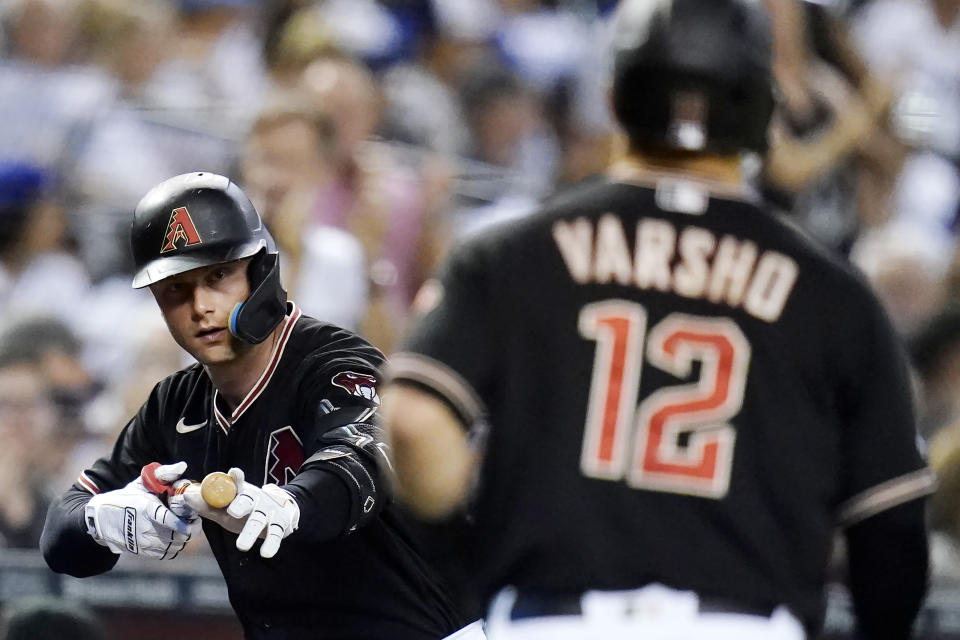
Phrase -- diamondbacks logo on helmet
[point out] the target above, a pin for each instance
(284, 456)
(358, 384)
(180, 228)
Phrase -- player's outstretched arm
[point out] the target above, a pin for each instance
(425, 434)
(888, 563)
(336, 490)
(65, 543)
(342, 484)
(134, 520)
(127, 520)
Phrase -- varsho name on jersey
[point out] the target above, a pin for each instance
(692, 263)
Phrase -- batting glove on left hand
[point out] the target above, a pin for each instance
(268, 508)
(133, 520)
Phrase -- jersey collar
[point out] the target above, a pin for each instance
(628, 173)
(293, 314)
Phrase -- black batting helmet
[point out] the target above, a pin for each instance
(693, 75)
(200, 219)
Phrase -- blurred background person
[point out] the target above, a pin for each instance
(214, 74)
(54, 351)
(39, 269)
(49, 94)
(374, 195)
(913, 46)
(288, 165)
(52, 619)
(28, 420)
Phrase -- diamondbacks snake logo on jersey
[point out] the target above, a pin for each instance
(358, 384)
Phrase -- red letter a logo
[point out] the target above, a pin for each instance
(179, 228)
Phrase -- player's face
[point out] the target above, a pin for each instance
(197, 305)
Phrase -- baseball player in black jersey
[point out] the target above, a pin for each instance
(676, 399)
(283, 401)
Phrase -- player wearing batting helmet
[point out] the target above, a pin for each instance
(283, 401)
(679, 398)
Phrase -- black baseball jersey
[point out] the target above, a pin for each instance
(365, 582)
(678, 388)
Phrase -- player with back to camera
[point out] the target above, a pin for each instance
(679, 398)
(284, 401)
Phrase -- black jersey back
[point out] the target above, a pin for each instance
(680, 389)
(368, 583)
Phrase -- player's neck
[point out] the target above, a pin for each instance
(724, 169)
(235, 379)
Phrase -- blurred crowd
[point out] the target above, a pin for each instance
(374, 134)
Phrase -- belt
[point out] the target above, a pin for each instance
(532, 605)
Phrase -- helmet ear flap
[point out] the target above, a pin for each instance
(254, 319)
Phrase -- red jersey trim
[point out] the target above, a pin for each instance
(886, 495)
(289, 321)
(222, 422)
(86, 483)
(441, 379)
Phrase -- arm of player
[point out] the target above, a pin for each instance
(65, 543)
(340, 486)
(433, 461)
(84, 534)
(883, 477)
(336, 490)
(134, 520)
(888, 587)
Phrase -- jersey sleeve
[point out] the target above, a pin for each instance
(341, 484)
(452, 351)
(882, 465)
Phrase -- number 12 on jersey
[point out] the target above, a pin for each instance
(643, 444)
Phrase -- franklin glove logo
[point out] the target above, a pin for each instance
(130, 529)
(180, 229)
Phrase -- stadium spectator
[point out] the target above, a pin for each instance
(138, 140)
(288, 165)
(827, 131)
(55, 352)
(215, 77)
(27, 422)
(64, 94)
(375, 196)
(914, 46)
(38, 271)
(52, 619)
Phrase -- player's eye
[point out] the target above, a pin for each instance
(173, 291)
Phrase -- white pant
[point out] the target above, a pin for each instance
(654, 612)
(473, 631)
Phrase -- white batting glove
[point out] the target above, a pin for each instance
(268, 508)
(135, 521)
(169, 474)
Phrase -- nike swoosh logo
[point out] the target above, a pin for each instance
(183, 427)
